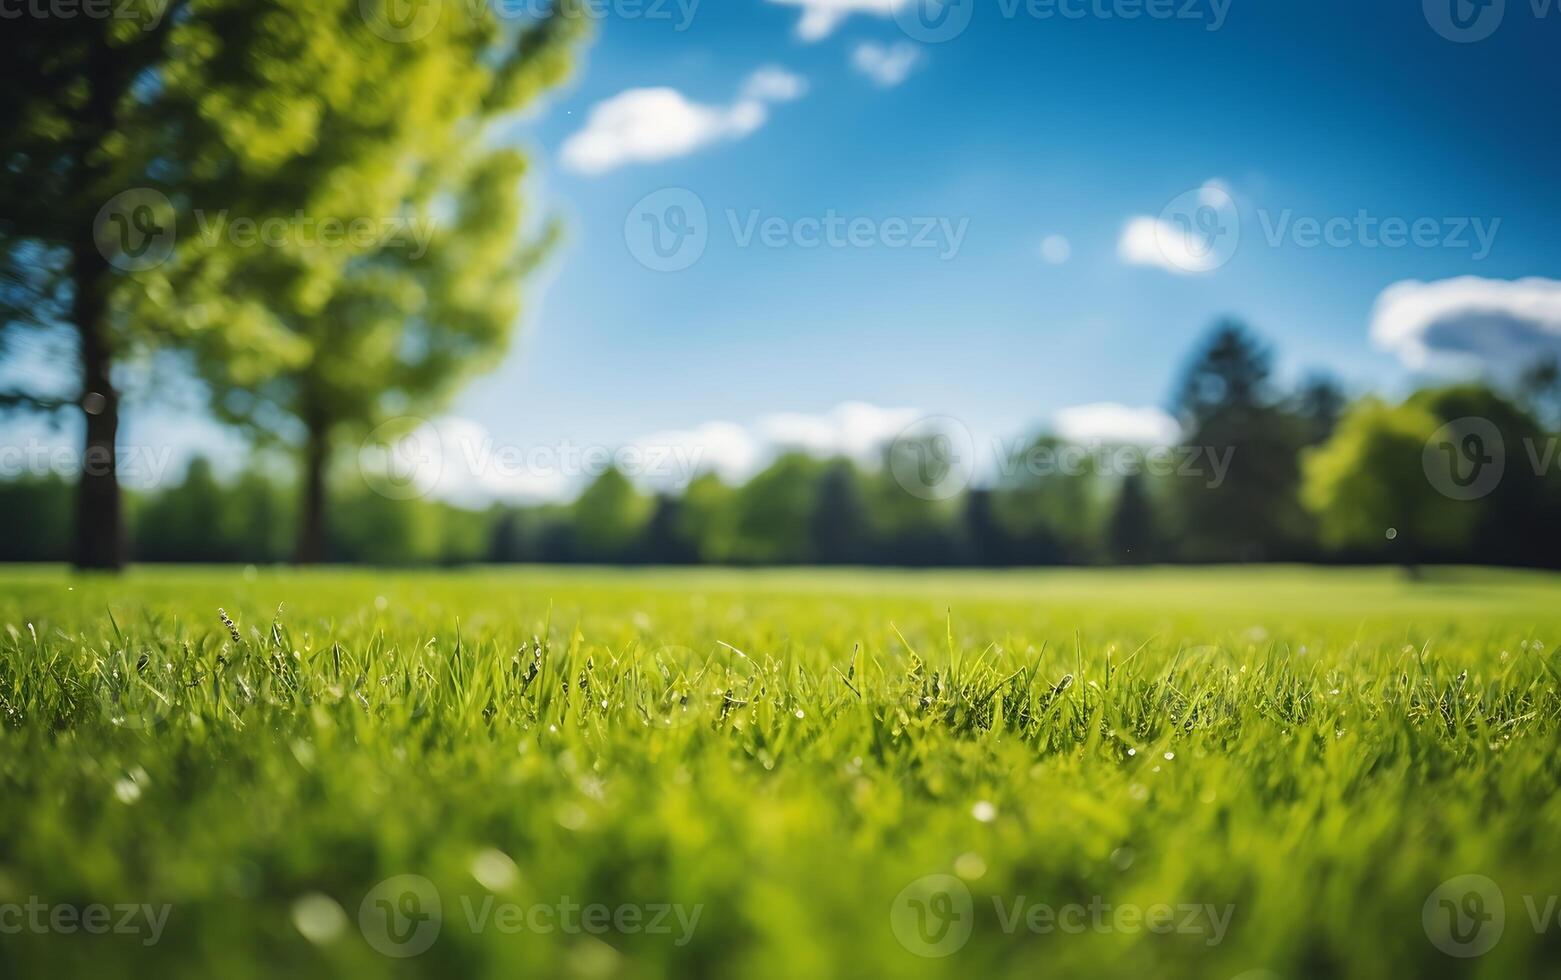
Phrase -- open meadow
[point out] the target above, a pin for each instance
(1189, 773)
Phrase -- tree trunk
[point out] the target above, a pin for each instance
(99, 534)
(99, 538)
(311, 519)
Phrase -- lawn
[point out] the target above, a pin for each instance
(1158, 773)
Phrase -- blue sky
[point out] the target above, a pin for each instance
(1025, 127)
(1021, 128)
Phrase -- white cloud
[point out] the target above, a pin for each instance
(1153, 242)
(854, 429)
(887, 65)
(821, 17)
(1178, 245)
(1469, 322)
(725, 448)
(644, 125)
(736, 452)
(459, 460)
(1114, 423)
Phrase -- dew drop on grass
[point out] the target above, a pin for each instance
(571, 816)
(494, 870)
(127, 791)
(318, 918)
(1122, 858)
(984, 812)
(970, 866)
(1169, 756)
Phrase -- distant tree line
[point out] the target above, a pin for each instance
(1307, 476)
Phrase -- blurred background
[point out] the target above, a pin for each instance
(898, 282)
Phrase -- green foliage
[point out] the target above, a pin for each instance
(345, 236)
(772, 512)
(1056, 511)
(1318, 751)
(1368, 479)
(34, 519)
(610, 517)
(708, 517)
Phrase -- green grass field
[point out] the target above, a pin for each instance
(1188, 773)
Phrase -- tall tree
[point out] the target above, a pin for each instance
(131, 141)
(1320, 403)
(90, 103)
(114, 131)
(1520, 522)
(1540, 388)
(1228, 408)
(610, 518)
(772, 512)
(404, 281)
(840, 526)
(1131, 536)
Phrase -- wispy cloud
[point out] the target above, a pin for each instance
(645, 125)
(821, 17)
(887, 65)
